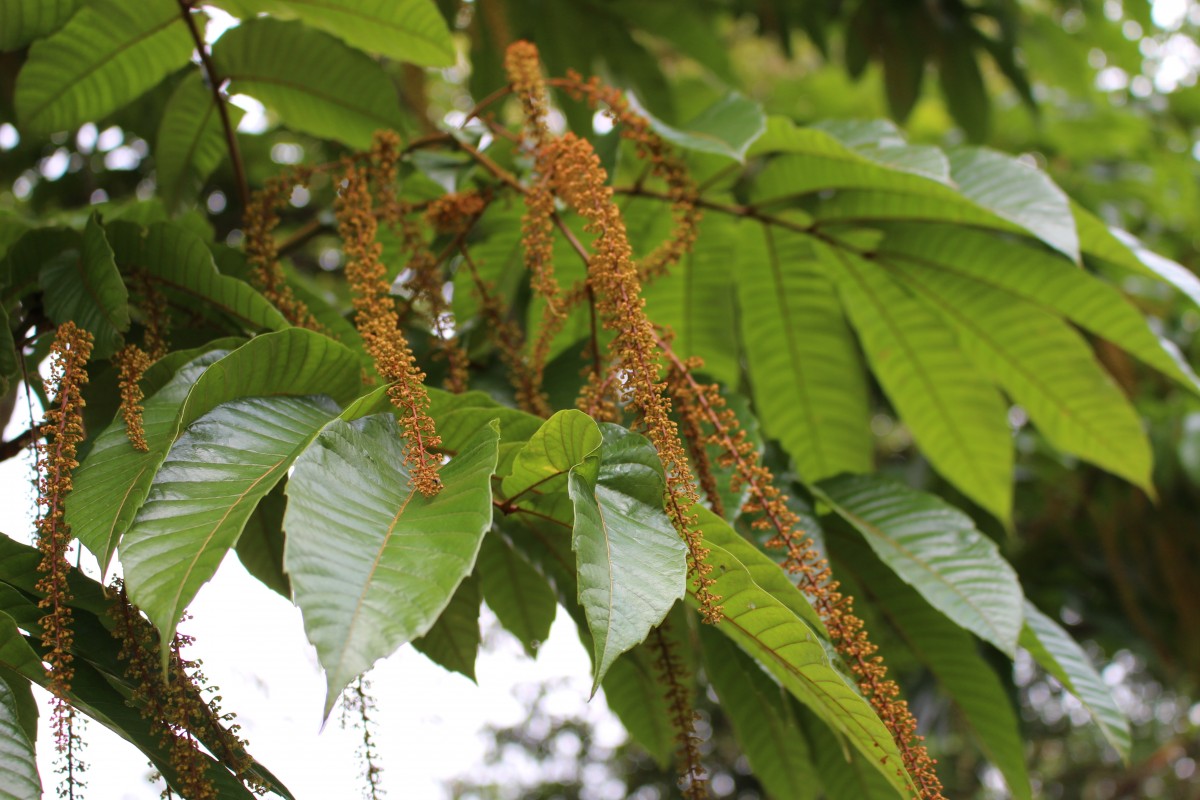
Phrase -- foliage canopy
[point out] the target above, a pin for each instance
(619, 351)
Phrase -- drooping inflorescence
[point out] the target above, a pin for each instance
(174, 703)
(675, 680)
(767, 506)
(60, 432)
(261, 219)
(379, 323)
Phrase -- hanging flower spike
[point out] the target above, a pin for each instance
(674, 678)
(769, 509)
(61, 431)
(662, 161)
(379, 324)
(581, 182)
(132, 362)
(261, 219)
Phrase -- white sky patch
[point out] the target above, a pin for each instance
(255, 120)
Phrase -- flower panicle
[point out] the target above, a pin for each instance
(675, 681)
(358, 700)
(662, 161)
(510, 342)
(581, 182)
(132, 362)
(769, 510)
(260, 220)
(379, 323)
(60, 432)
(179, 715)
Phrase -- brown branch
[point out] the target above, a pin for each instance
(215, 82)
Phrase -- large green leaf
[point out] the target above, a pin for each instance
(631, 562)
(727, 127)
(957, 417)
(314, 82)
(36, 247)
(10, 365)
(1043, 364)
(406, 30)
(845, 774)
(562, 443)
(809, 384)
(191, 141)
(204, 492)
(375, 563)
(260, 547)
(109, 53)
(1018, 192)
(696, 300)
(178, 260)
(762, 719)
(22, 21)
(1057, 653)
(113, 480)
(1004, 268)
(459, 417)
(937, 550)
(951, 655)
(773, 633)
(86, 287)
(18, 764)
(453, 641)
(519, 596)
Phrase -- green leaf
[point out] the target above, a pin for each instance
(951, 655)
(844, 773)
(22, 265)
(374, 565)
(314, 82)
(696, 299)
(630, 561)
(260, 547)
(406, 30)
(957, 417)
(903, 55)
(22, 21)
(793, 653)
(18, 763)
(205, 490)
(108, 54)
(191, 140)
(726, 128)
(458, 417)
(633, 692)
(10, 365)
(86, 287)
(1018, 192)
(962, 85)
(937, 550)
(1043, 364)
(809, 384)
(762, 719)
(179, 261)
(113, 480)
(1004, 267)
(519, 596)
(562, 443)
(1057, 653)
(453, 641)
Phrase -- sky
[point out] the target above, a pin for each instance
(252, 642)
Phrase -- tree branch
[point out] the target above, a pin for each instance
(215, 81)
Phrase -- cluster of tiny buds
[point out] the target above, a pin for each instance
(60, 432)
(379, 323)
(767, 506)
(674, 678)
(132, 362)
(260, 220)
